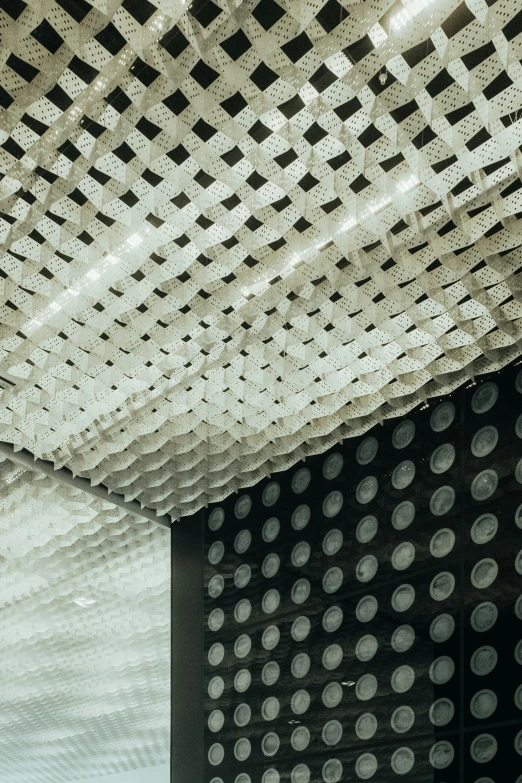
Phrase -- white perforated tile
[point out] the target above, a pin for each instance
(84, 634)
(234, 234)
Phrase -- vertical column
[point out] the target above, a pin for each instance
(187, 716)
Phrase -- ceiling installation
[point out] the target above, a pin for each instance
(84, 634)
(234, 233)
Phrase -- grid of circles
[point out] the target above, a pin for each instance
(365, 535)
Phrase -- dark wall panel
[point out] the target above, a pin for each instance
(363, 611)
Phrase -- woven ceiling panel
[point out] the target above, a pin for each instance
(84, 634)
(235, 233)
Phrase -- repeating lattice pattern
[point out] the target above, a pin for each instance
(364, 612)
(233, 234)
(84, 634)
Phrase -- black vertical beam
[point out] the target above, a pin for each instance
(187, 718)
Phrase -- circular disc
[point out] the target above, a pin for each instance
(366, 726)
(216, 552)
(484, 528)
(333, 465)
(332, 657)
(216, 519)
(367, 450)
(332, 504)
(484, 660)
(484, 616)
(442, 627)
(300, 480)
(484, 397)
(270, 529)
(403, 598)
(243, 506)
(300, 628)
(442, 416)
(332, 580)
(442, 670)
(442, 458)
(270, 638)
(402, 719)
(332, 694)
(442, 754)
(366, 687)
(366, 489)
(300, 591)
(403, 474)
(271, 494)
(403, 434)
(484, 441)
(366, 609)
(402, 638)
(483, 748)
(366, 529)
(484, 485)
(403, 515)
(442, 712)
(300, 517)
(442, 501)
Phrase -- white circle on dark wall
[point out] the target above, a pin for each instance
(242, 715)
(270, 601)
(442, 542)
(518, 652)
(332, 542)
(442, 416)
(242, 575)
(403, 434)
(300, 591)
(300, 628)
(403, 474)
(300, 774)
(442, 458)
(333, 465)
(272, 776)
(442, 712)
(518, 427)
(402, 719)
(518, 382)
(483, 748)
(270, 673)
(442, 628)
(366, 648)
(483, 704)
(484, 484)
(484, 573)
(332, 771)
(367, 450)
(442, 754)
(518, 517)
(484, 660)
(403, 515)
(270, 638)
(270, 744)
(332, 694)
(216, 518)
(402, 679)
(332, 504)
(271, 494)
(403, 556)
(216, 552)
(366, 568)
(332, 732)
(300, 665)
(216, 654)
(216, 687)
(216, 754)
(366, 687)
(300, 738)
(243, 506)
(216, 619)
(366, 529)
(366, 609)
(216, 720)
(216, 586)
(332, 619)
(300, 480)
(366, 766)
(332, 580)
(518, 743)
(484, 397)
(484, 441)
(403, 598)
(270, 565)
(442, 501)
(242, 749)
(270, 530)
(484, 617)
(270, 708)
(442, 670)
(366, 490)
(242, 541)
(484, 528)
(402, 638)
(242, 680)
(242, 610)
(442, 586)
(402, 760)
(332, 657)
(300, 554)
(366, 726)
(243, 777)
(300, 702)
(300, 517)
(242, 646)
